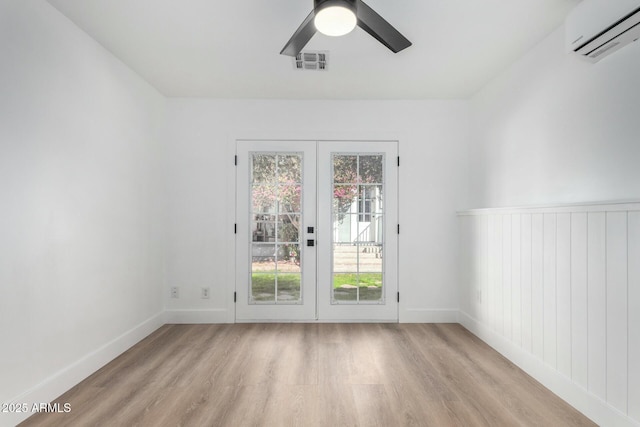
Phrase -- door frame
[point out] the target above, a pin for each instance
(306, 310)
(231, 194)
(387, 311)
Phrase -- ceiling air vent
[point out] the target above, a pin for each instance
(311, 60)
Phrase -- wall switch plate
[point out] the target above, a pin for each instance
(175, 292)
(204, 293)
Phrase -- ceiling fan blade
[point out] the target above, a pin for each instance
(381, 30)
(301, 37)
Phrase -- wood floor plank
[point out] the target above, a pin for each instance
(373, 406)
(311, 375)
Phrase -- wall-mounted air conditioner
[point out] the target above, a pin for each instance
(597, 28)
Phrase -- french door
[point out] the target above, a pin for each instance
(316, 231)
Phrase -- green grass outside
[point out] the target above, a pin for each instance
(369, 286)
(265, 281)
(263, 286)
(366, 279)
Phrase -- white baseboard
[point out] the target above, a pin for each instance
(63, 380)
(423, 315)
(196, 316)
(590, 405)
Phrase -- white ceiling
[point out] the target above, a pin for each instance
(230, 49)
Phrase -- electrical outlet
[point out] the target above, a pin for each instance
(175, 292)
(204, 293)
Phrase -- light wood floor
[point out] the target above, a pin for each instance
(311, 375)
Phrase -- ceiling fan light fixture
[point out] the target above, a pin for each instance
(339, 17)
(335, 18)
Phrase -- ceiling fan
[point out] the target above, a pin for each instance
(339, 17)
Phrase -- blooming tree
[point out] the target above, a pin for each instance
(277, 187)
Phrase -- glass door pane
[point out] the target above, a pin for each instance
(357, 228)
(276, 218)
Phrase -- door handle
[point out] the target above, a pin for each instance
(311, 242)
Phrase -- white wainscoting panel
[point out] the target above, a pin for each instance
(597, 298)
(579, 301)
(563, 293)
(516, 279)
(507, 265)
(526, 277)
(495, 273)
(559, 287)
(537, 283)
(549, 294)
(617, 309)
(633, 308)
(483, 267)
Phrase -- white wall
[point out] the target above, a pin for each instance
(556, 129)
(555, 290)
(433, 138)
(80, 250)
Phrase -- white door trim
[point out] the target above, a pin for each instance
(306, 308)
(327, 136)
(364, 312)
